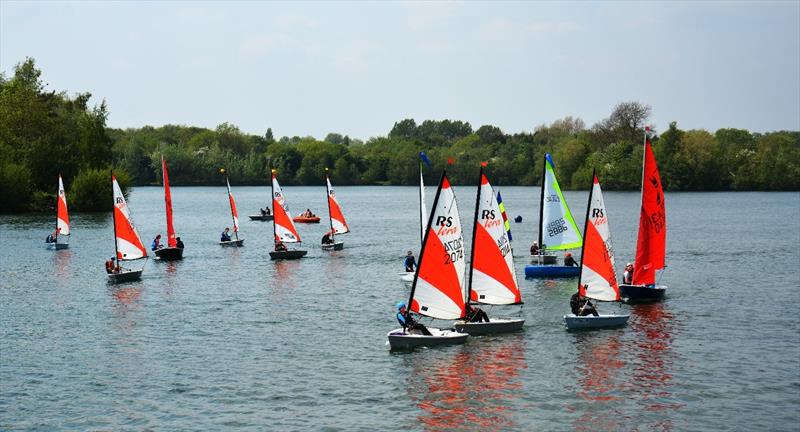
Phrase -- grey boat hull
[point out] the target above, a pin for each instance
(400, 340)
(574, 322)
(494, 326)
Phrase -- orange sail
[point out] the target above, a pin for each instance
(598, 278)
(62, 215)
(168, 201)
(234, 213)
(128, 243)
(651, 245)
(285, 230)
(338, 224)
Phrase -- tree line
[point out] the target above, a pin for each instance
(43, 133)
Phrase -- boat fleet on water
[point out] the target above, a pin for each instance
(446, 283)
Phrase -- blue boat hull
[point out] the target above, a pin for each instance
(551, 271)
(642, 293)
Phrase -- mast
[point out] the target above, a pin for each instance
(272, 194)
(424, 241)
(585, 226)
(541, 205)
(474, 233)
(328, 200)
(114, 219)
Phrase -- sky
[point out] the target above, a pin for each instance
(355, 68)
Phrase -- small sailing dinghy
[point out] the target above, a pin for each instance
(598, 279)
(283, 228)
(260, 217)
(336, 218)
(61, 238)
(423, 212)
(492, 279)
(437, 290)
(128, 246)
(235, 241)
(651, 246)
(172, 252)
(557, 229)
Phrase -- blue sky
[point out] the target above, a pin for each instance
(309, 68)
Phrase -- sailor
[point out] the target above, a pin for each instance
(279, 246)
(178, 243)
(156, 245)
(535, 248)
(627, 276)
(410, 263)
(581, 306)
(476, 314)
(110, 268)
(569, 261)
(405, 320)
(263, 212)
(326, 239)
(225, 237)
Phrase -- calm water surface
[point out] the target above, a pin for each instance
(227, 339)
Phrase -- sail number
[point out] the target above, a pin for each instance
(552, 198)
(556, 227)
(453, 251)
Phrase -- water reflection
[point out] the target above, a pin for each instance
(61, 263)
(597, 366)
(472, 387)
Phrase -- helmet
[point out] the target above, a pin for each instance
(568, 254)
(401, 305)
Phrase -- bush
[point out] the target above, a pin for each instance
(15, 186)
(91, 189)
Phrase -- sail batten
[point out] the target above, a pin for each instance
(285, 230)
(171, 242)
(598, 279)
(557, 228)
(128, 243)
(652, 238)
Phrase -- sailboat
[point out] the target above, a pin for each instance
(598, 279)
(437, 290)
(61, 238)
(283, 228)
(235, 241)
(492, 279)
(423, 211)
(335, 216)
(651, 246)
(557, 228)
(127, 243)
(172, 252)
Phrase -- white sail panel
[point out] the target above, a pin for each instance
(338, 223)
(598, 275)
(62, 224)
(285, 230)
(559, 230)
(129, 244)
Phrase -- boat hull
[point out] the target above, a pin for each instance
(125, 276)
(169, 254)
(232, 243)
(400, 340)
(333, 246)
(57, 246)
(299, 219)
(406, 276)
(544, 259)
(494, 326)
(261, 217)
(287, 255)
(574, 322)
(551, 271)
(642, 293)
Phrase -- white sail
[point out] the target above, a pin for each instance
(338, 223)
(557, 227)
(439, 291)
(494, 280)
(598, 278)
(129, 244)
(285, 230)
(62, 215)
(234, 212)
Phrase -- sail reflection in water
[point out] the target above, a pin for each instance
(474, 387)
(597, 371)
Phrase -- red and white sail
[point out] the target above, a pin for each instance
(171, 242)
(62, 215)
(285, 230)
(234, 213)
(494, 280)
(438, 290)
(338, 224)
(651, 247)
(598, 278)
(129, 244)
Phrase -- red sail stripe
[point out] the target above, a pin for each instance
(124, 230)
(596, 257)
(62, 210)
(233, 211)
(336, 212)
(652, 240)
(283, 219)
(489, 261)
(438, 271)
(171, 242)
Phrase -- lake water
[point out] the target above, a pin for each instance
(227, 339)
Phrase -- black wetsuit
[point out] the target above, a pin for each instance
(477, 315)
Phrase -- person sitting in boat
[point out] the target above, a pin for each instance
(407, 321)
(581, 306)
(627, 276)
(476, 314)
(569, 261)
(279, 246)
(156, 245)
(111, 267)
(225, 237)
(51, 238)
(178, 243)
(535, 248)
(326, 239)
(308, 214)
(263, 212)
(410, 263)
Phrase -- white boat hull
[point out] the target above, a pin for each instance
(407, 276)
(234, 243)
(494, 326)
(400, 340)
(574, 322)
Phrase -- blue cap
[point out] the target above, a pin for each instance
(401, 305)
